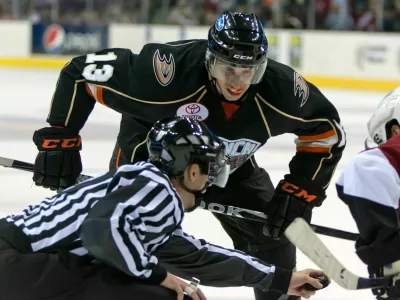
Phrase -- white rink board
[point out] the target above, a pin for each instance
(24, 108)
(15, 38)
(354, 55)
(344, 55)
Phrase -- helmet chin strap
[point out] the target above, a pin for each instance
(198, 195)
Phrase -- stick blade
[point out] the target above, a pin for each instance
(6, 162)
(304, 238)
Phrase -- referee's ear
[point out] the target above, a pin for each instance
(193, 172)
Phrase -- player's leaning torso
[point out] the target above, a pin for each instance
(173, 80)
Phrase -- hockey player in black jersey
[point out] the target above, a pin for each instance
(370, 186)
(98, 240)
(229, 83)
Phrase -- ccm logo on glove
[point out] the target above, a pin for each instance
(296, 191)
(61, 143)
(294, 197)
(58, 163)
(57, 139)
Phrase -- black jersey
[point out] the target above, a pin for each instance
(169, 79)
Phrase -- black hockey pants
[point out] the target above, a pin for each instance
(62, 276)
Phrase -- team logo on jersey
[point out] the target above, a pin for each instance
(219, 24)
(164, 68)
(378, 139)
(238, 151)
(301, 88)
(193, 110)
(53, 38)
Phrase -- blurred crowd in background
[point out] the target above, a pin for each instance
(359, 15)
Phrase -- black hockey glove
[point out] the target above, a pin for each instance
(294, 197)
(58, 163)
(388, 293)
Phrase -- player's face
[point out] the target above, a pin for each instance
(233, 82)
(395, 130)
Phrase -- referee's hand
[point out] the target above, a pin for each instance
(180, 287)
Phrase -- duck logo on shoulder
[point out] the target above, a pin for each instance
(164, 68)
(301, 88)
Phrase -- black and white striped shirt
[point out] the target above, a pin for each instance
(121, 218)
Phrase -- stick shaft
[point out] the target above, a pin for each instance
(214, 207)
(304, 238)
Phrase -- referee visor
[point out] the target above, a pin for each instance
(218, 175)
(218, 169)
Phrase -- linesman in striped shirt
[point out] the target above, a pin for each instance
(99, 239)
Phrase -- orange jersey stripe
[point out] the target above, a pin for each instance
(118, 157)
(88, 90)
(322, 136)
(313, 149)
(99, 95)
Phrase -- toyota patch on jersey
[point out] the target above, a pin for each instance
(193, 110)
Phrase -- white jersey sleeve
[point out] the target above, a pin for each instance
(370, 176)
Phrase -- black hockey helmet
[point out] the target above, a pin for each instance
(176, 142)
(237, 40)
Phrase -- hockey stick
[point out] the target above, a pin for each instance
(262, 217)
(214, 207)
(24, 166)
(304, 238)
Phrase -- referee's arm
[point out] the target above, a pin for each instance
(185, 256)
(111, 232)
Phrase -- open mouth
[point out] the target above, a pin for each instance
(235, 92)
